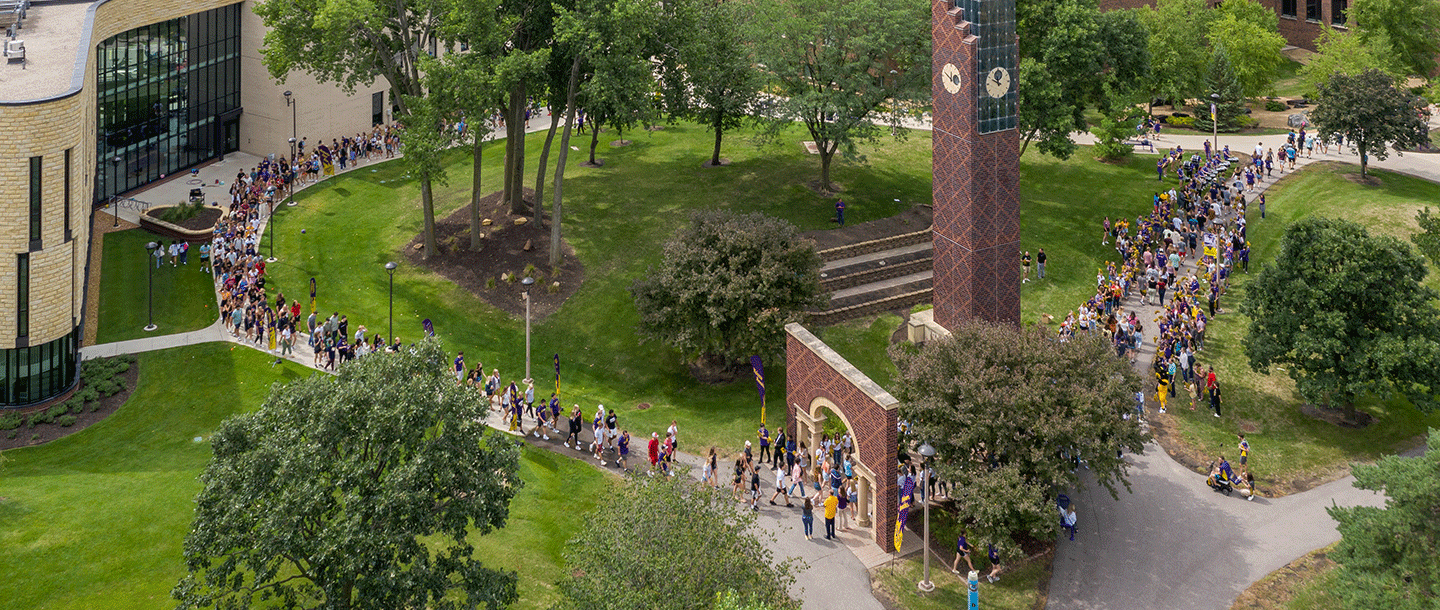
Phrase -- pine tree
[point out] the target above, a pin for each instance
(1221, 81)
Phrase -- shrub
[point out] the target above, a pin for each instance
(529, 270)
(490, 283)
(11, 421)
(1274, 106)
(12, 434)
(86, 393)
(1181, 121)
(1110, 140)
(1246, 121)
(108, 387)
(182, 212)
(58, 410)
(66, 421)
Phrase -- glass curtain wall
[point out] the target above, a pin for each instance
(32, 374)
(165, 93)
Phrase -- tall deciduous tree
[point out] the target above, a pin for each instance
(1178, 53)
(1223, 90)
(1408, 29)
(1346, 314)
(1343, 52)
(1428, 239)
(1008, 412)
(846, 70)
(720, 75)
(1387, 555)
(352, 43)
(360, 490)
(1372, 113)
(727, 286)
(614, 37)
(672, 518)
(1249, 34)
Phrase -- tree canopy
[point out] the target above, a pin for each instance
(1347, 314)
(698, 553)
(1408, 29)
(1428, 239)
(358, 490)
(1008, 411)
(1178, 55)
(847, 71)
(1387, 555)
(727, 286)
(1371, 112)
(1343, 52)
(1248, 33)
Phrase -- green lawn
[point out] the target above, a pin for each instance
(1288, 446)
(1016, 590)
(1287, 81)
(864, 342)
(616, 217)
(98, 519)
(184, 296)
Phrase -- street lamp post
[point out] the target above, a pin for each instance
(527, 282)
(927, 452)
(390, 268)
(294, 171)
(1214, 124)
(150, 254)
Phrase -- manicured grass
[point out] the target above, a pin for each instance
(98, 519)
(1288, 446)
(863, 342)
(1288, 82)
(1016, 590)
(616, 217)
(184, 297)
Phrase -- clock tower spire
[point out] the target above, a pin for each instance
(976, 161)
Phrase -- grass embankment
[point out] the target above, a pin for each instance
(617, 218)
(184, 299)
(98, 519)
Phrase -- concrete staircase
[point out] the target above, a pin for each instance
(875, 276)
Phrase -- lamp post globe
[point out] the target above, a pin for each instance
(927, 452)
(390, 268)
(150, 249)
(527, 282)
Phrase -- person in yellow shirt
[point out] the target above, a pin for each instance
(831, 505)
(1162, 388)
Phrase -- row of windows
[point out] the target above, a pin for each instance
(31, 374)
(37, 194)
(1338, 8)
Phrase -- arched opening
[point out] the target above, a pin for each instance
(824, 417)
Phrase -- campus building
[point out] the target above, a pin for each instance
(101, 98)
(1301, 21)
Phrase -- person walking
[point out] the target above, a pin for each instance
(962, 551)
(831, 506)
(840, 212)
(707, 472)
(1215, 398)
(807, 517)
(624, 450)
(1025, 266)
(1244, 454)
(1040, 263)
(575, 424)
(779, 486)
(994, 574)
(764, 435)
(654, 452)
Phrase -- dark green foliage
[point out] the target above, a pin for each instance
(1345, 313)
(728, 285)
(182, 212)
(1221, 81)
(65, 421)
(1387, 555)
(697, 547)
(359, 490)
(1110, 138)
(58, 410)
(1372, 113)
(11, 421)
(86, 393)
(1007, 410)
(1274, 106)
(1428, 239)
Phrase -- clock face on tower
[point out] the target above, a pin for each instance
(997, 82)
(950, 77)
(996, 59)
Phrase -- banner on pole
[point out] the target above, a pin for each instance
(907, 491)
(557, 375)
(759, 369)
(429, 327)
(312, 295)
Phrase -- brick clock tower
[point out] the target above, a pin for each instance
(976, 161)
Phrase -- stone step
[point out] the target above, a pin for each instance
(877, 266)
(875, 291)
(876, 245)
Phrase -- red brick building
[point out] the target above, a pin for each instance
(1301, 21)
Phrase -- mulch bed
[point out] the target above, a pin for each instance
(50, 432)
(205, 219)
(502, 251)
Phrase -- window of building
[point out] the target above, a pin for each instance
(1312, 10)
(163, 92)
(67, 193)
(377, 108)
(36, 176)
(32, 374)
(1337, 11)
(22, 295)
(1287, 8)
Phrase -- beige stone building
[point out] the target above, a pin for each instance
(109, 97)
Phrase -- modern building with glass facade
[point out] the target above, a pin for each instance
(112, 96)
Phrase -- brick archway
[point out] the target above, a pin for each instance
(819, 378)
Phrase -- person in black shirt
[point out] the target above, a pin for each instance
(1040, 261)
